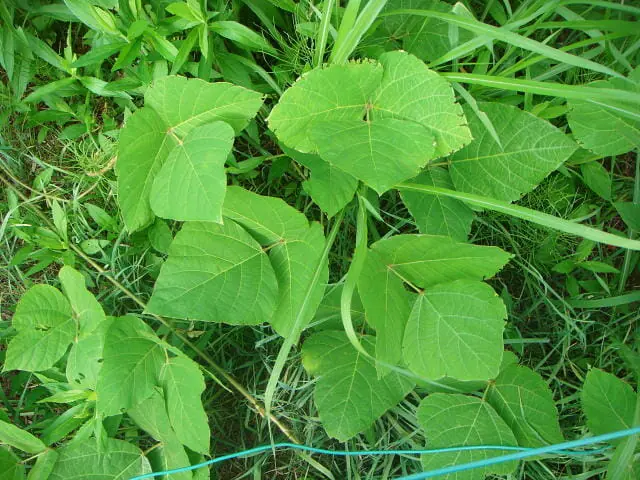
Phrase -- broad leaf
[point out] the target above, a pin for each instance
(112, 459)
(20, 439)
(334, 93)
(86, 309)
(597, 178)
(10, 466)
(329, 187)
(437, 215)
(130, 368)
(410, 91)
(455, 330)
(608, 402)
(184, 104)
(459, 420)
(525, 402)
(348, 393)
(531, 149)
(191, 184)
(45, 325)
(608, 130)
(85, 358)
(381, 153)
(216, 273)
(183, 384)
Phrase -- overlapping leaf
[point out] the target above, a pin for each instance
(216, 273)
(87, 311)
(459, 420)
(455, 330)
(531, 148)
(348, 393)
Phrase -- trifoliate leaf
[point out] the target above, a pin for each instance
(130, 368)
(45, 325)
(531, 149)
(183, 384)
(334, 93)
(525, 402)
(410, 91)
(608, 127)
(435, 214)
(608, 402)
(381, 153)
(191, 184)
(330, 187)
(455, 330)
(215, 273)
(111, 459)
(457, 420)
(20, 439)
(87, 311)
(348, 393)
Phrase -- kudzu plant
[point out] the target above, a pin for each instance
(416, 309)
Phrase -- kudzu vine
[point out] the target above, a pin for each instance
(416, 308)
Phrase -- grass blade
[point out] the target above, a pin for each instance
(543, 219)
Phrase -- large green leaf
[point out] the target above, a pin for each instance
(525, 402)
(410, 91)
(334, 93)
(21, 439)
(610, 129)
(455, 330)
(85, 358)
(348, 393)
(183, 384)
(531, 148)
(184, 104)
(438, 215)
(328, 186)
(608, 402)
(110, 460)
(381, 153)
(295, 248)
(45, 325)
(458, 420)
(86, 309)
(130, 368)
(216, 273)
(191, 184)
(175, 106)
(10, 466)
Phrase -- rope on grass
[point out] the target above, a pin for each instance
(564, 449)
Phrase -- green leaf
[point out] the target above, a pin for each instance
(458, 420)
(381, 153)
(160, 236)
(334, 93)
(183, 384)
(455, 330)
(20, 439)
(87, 311)
(241, 35)
(10, 466)
(531, 149)
(216, 273)
(130, 368)
(438, 215)
(610, 128)
(85, 358)
(109, 459)
(45, 326)
(94, 17)
(597, 178)
(329, 187)
(410, 91)
(191, 184)
(630, 213)
(44, 465)
(348, 393)
(525, 402)
(608, 402)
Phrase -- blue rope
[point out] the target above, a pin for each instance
(522, 452)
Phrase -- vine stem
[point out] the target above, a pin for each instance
(212, 364)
